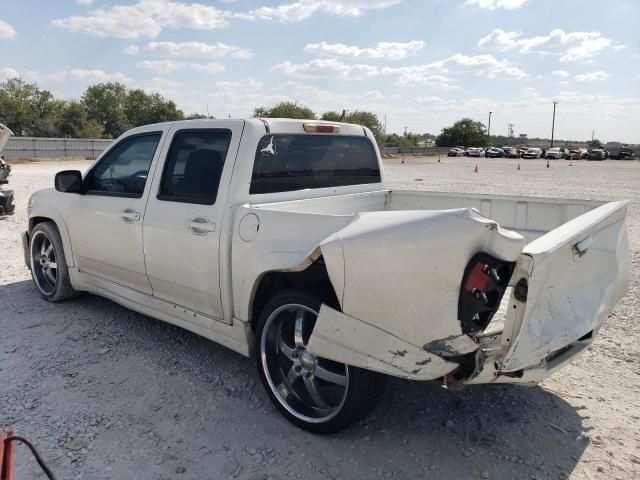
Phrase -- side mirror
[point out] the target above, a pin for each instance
(69, 181)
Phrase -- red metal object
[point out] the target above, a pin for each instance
(6, 457)
(478, 279)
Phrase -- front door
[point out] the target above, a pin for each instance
(105, 223)
(182, 223)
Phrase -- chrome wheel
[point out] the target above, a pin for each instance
(310, 388)
(43, 263)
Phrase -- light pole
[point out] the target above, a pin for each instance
(489, 129)
(553, 123)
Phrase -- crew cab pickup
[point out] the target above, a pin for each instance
(279, 238)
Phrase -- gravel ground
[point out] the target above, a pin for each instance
(108, 393)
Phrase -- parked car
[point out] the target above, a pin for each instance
(623, 153)
(533, 153)
(506, 150)
(522, 151)
(456, 152)
(556, 153)
(514, 153)
(474, 152)
(7, 203)
(494, 152)
(279, 239)
(597, 154)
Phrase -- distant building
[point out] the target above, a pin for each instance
(523, 136)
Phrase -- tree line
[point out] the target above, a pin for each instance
(105, 110)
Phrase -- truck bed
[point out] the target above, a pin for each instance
(531, 217)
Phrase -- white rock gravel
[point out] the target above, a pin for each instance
(108, 393)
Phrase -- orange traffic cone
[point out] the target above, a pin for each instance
(571, 163)
(518, 166)
(476, 169)
(547, 163)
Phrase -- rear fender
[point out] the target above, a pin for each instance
(397, 276)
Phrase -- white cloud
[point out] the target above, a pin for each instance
(593, 76)
(430, 74)
(168, 66)
(145, 18)
(7, 72)
(302, 9)
(84, 2)
(328, 66)
(93, 75)
(6, 30)
(560, 73)
(191, 50)
(494, 4)
(248, 84)
(569, 46)
(131, 49)
(382, 50)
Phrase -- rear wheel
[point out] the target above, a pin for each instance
(48, 264)
(316, 394)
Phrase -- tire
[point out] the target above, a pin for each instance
(48, 264)
(317, 395)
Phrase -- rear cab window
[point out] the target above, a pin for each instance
(290, 162)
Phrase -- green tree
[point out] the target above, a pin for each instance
(285, 110)
(73, 122)
(408, 140)
(26, 109)
(595, 143)
(105, 103)
(366, 119)
(466, 132)
(141, 108)
(332, 116)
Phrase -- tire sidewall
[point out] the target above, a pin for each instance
(62, 288)
(351, 409)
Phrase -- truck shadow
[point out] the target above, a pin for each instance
(92, 358)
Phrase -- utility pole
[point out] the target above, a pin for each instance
(489, 129)
(511, 125)
(405, 131)
(385, 123)
(553, 123)
(593, 132)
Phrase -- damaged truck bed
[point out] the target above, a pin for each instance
(549, 273)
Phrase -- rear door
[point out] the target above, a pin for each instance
(183, 219)
(574, 276)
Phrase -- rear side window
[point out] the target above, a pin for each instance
(194, 166)
(286, 163)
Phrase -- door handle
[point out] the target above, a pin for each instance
(130, 215)
(201, 226)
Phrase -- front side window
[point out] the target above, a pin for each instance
(286, 163)
(194, 166)
(124, 170)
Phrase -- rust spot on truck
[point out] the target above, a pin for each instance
(424, 362)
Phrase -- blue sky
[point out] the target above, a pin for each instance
(421, 63)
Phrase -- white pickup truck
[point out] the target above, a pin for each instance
(280, 238)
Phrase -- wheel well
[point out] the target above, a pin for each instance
(33, 221)
(314, 278)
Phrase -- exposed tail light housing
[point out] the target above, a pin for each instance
(483, 285)
(320, 128)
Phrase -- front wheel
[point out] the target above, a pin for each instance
(48, 264)
(316, 394)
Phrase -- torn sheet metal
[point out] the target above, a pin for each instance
(345, 339)
(400, 272)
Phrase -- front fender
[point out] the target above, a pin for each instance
(42, 207)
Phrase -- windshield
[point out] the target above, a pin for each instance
(288, 162)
